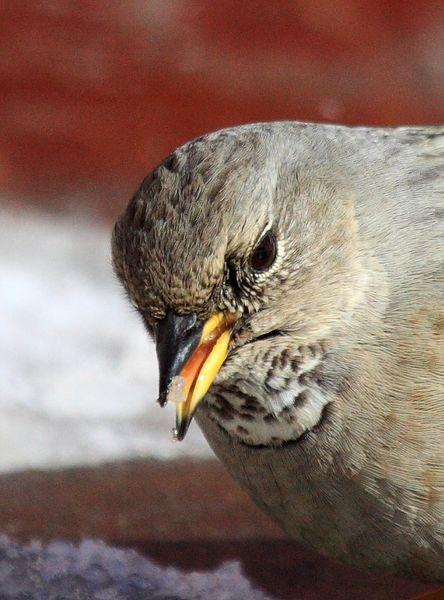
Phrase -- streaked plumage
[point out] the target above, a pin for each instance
(329, 409)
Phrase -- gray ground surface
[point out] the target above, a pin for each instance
(95, 571)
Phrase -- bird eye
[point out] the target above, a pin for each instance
(264, 255)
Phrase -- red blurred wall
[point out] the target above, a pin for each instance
(95, 93)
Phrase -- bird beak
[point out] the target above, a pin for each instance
(190, 353)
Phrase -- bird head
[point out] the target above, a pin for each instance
(241, 244)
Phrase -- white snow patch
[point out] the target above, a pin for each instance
(78, 374)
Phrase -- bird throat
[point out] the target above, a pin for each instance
(282, 399)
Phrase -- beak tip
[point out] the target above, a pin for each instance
(178, 435)
(181, 429)
(162, 399)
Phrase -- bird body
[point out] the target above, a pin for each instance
(329, 407)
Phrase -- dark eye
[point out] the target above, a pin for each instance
(263, 256)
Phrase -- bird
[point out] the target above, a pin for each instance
(291, 275)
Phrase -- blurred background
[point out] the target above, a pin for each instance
(93, 95)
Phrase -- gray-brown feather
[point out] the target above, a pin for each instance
(342, 445)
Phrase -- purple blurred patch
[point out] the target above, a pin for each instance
(95, 571)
